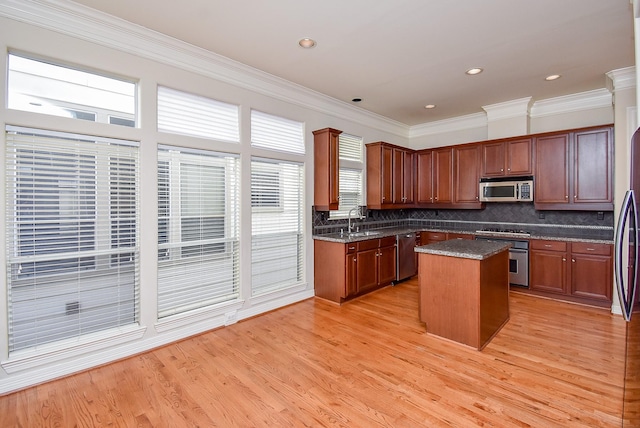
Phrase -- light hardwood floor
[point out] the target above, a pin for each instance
(363, 364)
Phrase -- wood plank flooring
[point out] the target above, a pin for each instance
(366, 363)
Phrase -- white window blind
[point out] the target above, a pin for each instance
(72, 235)
(58, 90)
(189, 114)
(350, 191)
(276, 133)
(350, 183)
(198, 242)
(277, 225)
(350, 147)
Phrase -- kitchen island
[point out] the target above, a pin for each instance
(464, 289)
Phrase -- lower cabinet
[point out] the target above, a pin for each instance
(343, 271)
(578, 271)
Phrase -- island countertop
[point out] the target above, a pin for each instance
(464, 248)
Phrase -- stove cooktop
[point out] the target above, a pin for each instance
(504, 232)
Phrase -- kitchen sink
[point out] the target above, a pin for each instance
(364, 233)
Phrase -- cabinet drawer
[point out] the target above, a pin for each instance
(589, 248)
(548, 245)
(433, 236)
(370, 244)
(387, 241)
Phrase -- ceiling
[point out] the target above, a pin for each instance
(399, 55)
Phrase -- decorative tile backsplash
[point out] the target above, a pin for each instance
(588, 224)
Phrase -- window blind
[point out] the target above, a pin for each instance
(276, 133)
(350, 147)
(350, 191)
(198, 242)
(276, 229)
(189, 114)
(72, 235)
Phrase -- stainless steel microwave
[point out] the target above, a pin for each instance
(506, 190)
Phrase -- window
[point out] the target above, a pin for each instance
(266, 187)
(277, 201)
(198, 242)
(188, 114)
(276, 133)
(350, 175)
(47, 88)
(72, 235)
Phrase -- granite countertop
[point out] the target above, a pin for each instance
(392, 231)
(464, 248)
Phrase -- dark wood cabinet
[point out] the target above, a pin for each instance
(574, 170)
(403, 178)
(343, 271)
(390, 177)
(435, 177)
(326, 169)
(504, 158)
(577, 271)
(467, 175)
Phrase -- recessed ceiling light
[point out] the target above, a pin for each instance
(356, 100)
(430, 106)
(472, 71)
(307, 43)
(552, 77)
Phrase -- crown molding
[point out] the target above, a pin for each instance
(623, 78)
(598, 98)
(460, 123)
(87, 24)
(508, 109)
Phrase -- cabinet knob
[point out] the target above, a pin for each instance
(573, 260)
(355, 260)
(501, 169)
(566, 196)
(508, 169)
(564, 260)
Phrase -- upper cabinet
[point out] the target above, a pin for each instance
(390, 176)
(434, 179)
(326, 168)
(574, 170)
(467, 175)
(506, 158)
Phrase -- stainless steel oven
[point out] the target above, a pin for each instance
(518, 259)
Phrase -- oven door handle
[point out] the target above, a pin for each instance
(518, 250)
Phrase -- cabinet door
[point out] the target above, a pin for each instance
(366, 267)
(592, 270)
(547, 271)
(493, 159)
(424, 174)
(552, 169)
(593, 154)
(386, 265)
(387, 176)
(518, 157)
(591, 276)
(467, 174)
(351, 273)
(326, 169)
(408, 178)
(397, 193)
(443, 176)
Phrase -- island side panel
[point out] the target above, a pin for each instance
(329, 270)
(449, 297)
(494, 295)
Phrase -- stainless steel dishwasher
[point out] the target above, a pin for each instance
(405, 256)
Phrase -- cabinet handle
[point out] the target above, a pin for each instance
(564, 260)
(547, 245)
(352, 248)
(573, 260)
(355, 260)
(508, 169)
(591, 249)
(501, 169)
(566, 196)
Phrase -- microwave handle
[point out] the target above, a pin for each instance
(517, 191)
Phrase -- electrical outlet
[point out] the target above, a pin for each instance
(231, 318)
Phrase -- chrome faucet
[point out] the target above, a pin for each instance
(350, 211)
